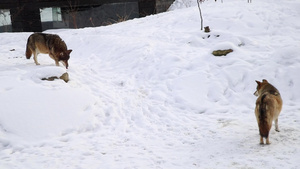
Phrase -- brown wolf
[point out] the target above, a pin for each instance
(268, 107)
(49, 44)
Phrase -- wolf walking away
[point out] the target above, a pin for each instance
(48, 44)
(267, 110)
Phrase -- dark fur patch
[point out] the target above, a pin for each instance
(274, 92)
(263, 123)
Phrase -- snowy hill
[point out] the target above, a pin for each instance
(148, 93)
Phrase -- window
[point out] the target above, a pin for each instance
(56, 13)
(50, 14)
(5, 17)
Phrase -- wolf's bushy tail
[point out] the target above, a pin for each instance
(264, 126)
(28, 52)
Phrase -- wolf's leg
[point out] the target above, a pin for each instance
(268, 141)
(56, 63)
(276, 125)
(35, 58)
(261, 140)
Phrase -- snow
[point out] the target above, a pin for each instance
(148, 93)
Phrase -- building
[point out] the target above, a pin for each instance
(40, 15)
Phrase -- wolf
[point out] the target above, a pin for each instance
(268, 108)
(48, 44)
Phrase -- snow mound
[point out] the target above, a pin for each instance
(148, 93)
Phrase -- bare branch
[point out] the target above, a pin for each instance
(200, 1)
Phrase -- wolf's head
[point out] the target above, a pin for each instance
(64, 57)
(260, 86)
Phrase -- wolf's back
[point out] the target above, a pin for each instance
(32, 41)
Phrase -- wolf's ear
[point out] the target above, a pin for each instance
(258, 82)
(69, 51)
(265, 81)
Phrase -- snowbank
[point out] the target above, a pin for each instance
(148, 93)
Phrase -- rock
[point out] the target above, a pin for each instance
(50, 78)
(222, 52)
(64, 77)
(206, 29)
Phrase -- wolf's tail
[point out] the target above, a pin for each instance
(264, 126)
(28, 52)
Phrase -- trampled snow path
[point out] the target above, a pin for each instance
(147, 93)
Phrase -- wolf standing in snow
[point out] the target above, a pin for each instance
(267, 110)
(48, 44)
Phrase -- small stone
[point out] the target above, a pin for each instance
(206, 29)
(222, 52)
(50, 78)
(65, 77)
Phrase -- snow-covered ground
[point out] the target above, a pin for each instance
(148, 93)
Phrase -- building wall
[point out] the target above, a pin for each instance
(163, 5)
(26, 17)
(103, 15)
(94, 16)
